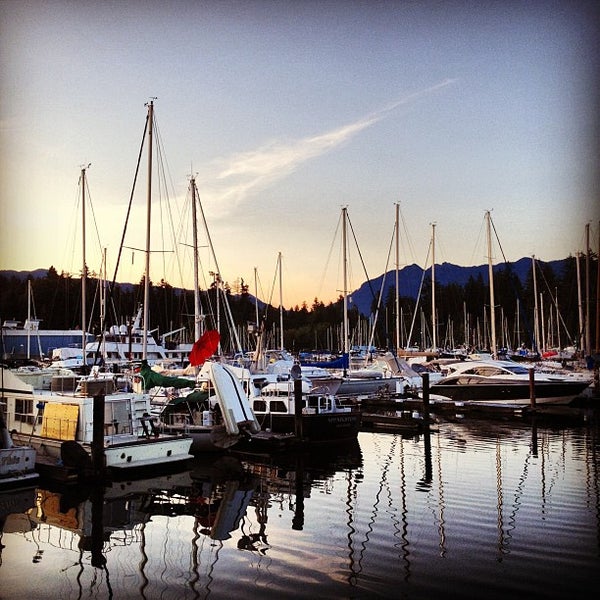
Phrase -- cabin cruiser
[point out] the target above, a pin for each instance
(504, 382)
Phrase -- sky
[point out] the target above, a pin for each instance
(284, 112)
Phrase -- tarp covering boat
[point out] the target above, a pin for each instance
(343, 362)
(153, 379)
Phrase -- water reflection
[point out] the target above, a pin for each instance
(466, 504)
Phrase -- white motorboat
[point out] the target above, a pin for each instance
(17, 463)
(60, 425)
(504, 382)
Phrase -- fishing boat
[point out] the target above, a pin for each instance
(504, 382)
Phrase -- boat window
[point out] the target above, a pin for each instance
(260, 406)
(518, 370)
(24, 410)
(277, 406)
(485, 371)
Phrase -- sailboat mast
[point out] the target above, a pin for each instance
(102, 306)
(345, 292)
(597, 348)
(536, 314)
(280, 303)
(83, 266)
(398, 341)
(433, 319)
(491, 278)
(579, 303)
(29, 319)
(197, 309)
(588, 338)
(148, 221)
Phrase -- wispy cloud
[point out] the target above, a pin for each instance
(244, 173)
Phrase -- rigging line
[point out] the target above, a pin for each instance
(412, 325)
(260, 291)
(165, 181)
(553, 301)
(385, 271)
(273, 285)
(478, 240)
(112, 285)
(229, 315)
(362, 262)
(181, 235)
(406, 235)
(137, 170)
(526, 322)
(89, 198)
(335, 234)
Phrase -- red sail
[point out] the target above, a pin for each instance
(204, 347)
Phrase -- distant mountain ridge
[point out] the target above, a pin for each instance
(409, 278)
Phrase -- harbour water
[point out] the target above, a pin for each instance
(477, 508)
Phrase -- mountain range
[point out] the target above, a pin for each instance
(410, 278)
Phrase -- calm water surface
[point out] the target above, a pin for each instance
(476, 509)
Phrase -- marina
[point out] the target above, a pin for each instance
(501, 506)
(379, 417)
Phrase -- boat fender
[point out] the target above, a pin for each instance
(73, 454)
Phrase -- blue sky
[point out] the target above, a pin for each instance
(287, 111)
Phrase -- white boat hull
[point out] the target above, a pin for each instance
(17, 466)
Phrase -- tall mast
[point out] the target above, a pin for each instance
(83, 266)
(491, 278)
(256, 297)
(280, 303)
(597, 345)
(398, 341)
(345, 292)
(102, 306)
(588, 339)
(536, 314)
(580, 305)
(433, 318)
(197, 308)
(148, 220)
(28, 319)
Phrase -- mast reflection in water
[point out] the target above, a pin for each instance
(473, 508)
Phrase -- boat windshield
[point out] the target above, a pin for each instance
(517, 369)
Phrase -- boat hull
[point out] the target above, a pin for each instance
(322, 428)
(366, 387)
(212, 438)
(126, 455)
(513, 393)
(17, 467)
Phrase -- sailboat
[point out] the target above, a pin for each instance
(64, 426)
(366, 382)
(210, 405)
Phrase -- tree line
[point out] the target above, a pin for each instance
(462, 317)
